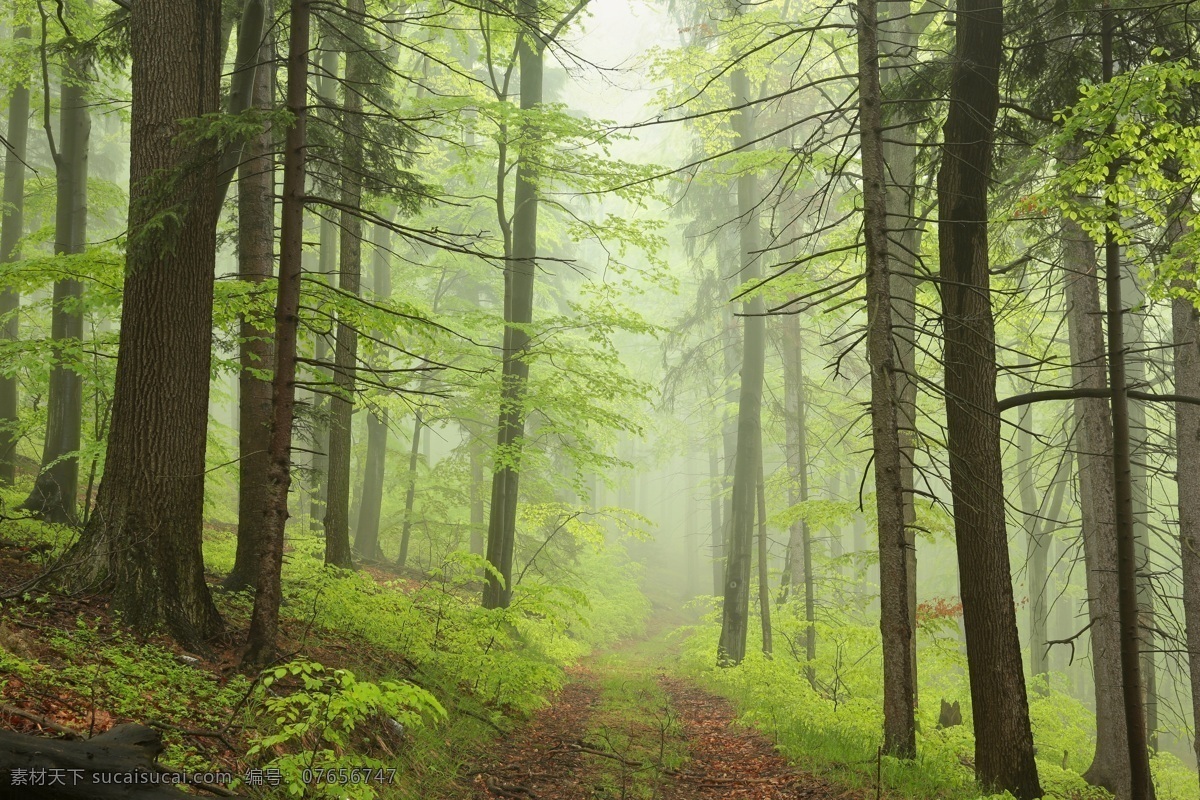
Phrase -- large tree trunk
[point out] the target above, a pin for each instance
(1004, 757)
(146, 531)
(256, 265)
(899, 679)
(345, 360)
(518, 307)
(366, 539)
(1185, 326)
(11, 231)
(55, 493)
(735, 617)
(264, 619)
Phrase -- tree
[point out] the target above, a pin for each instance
(735, 613)
(54, 495)
(1004, 757)
(11, 231)
(145, 535)
(899, 690)
(264, 618)
(345, 360)
(256, 265)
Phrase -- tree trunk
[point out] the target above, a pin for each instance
(716, 523)
(1004, 757)
(366, 540)
(411, 495)
(764, 573)
(55, 493)
(899, 724)
(518, 308)
(11, 231)
(478, 511)
(256, 265)
(736, 610)
(264, 619)
(1185, 326)
(326, 264)
(345, 360)
(146, 530)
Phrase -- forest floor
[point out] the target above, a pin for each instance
(626, 728)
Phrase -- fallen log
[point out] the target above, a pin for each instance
(116, 765)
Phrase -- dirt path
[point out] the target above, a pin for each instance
(623, 730)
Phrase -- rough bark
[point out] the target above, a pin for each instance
(264, 618)
(345, 359)
(899, 724)
(1004, 757)
(518, 307)
(145, 534)
(735, 617)
(11, 230)
(55, 494)
(256, 265)
(366, 539)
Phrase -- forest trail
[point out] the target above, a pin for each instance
(623, 728)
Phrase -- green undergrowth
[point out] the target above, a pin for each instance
(833, 725)
(389, 687)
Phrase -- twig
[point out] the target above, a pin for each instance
(44, 722)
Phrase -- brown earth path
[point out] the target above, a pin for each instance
(663, 739)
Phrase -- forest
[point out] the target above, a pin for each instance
(568, 399)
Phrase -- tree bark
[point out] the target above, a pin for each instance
(736, 610)
(11, 230)
(899, 690)
(345, 360)
(518, 306)
(1004, 758)
(56, 491)
(1185, 327)
(366, 540)
(264, 618)
(411, 494)
(145, 534)
(256, 265)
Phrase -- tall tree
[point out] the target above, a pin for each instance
(256, 265)
(735, 614)
(899, 690)
(366, 537)
(11, 231)
(54, 495)
(345, 360)
(519, 273)
(264, 619)
(799, 572)
(145, 535)
(1004, 758)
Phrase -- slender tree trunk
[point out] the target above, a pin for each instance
(256, 265)
(11, 231)
(1004, 758)
(55, 493)
(264, 619)
(764, 572)
(691, 534)
(337, 500)
(747, 462)
(520, 273)
(899, 690)
(478, 510)
(145, 534)
(1185, 326)
(366, 540)
(1040, 520)
(1093, 440)
(716, 523)
(1140, 782)
(411, 495)
(327, 252)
